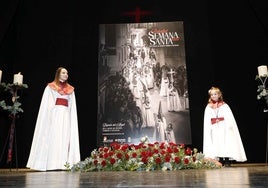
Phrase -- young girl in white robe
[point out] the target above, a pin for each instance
(56, 138)
(221, 139)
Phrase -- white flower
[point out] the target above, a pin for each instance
(144, 140)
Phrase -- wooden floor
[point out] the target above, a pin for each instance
(242, 175)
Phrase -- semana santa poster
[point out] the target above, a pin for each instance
(142, 83)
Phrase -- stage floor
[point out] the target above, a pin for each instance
(238, 175)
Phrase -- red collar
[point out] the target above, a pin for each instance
(65, 90)
(215, 104)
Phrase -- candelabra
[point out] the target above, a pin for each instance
(13, 109)
(263, 94)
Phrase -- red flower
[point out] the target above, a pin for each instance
(126, 156)
(163, 152)
(134, 155)
(156, 151)
(162, 146)
(186, 161)
(150, 145)
(144, 159)
(149, 153)
(188, 151)
(112, 160)
(177, 160)
(137, 147)
(158, 160)
(95, 162)
(116, 146)
(105, 149)
(144, 154)
(172, 144)
(106, 155)
(167, 158)
(175, 150)
(103, 163)
(124, 147)
(119, 155)
(169, 150)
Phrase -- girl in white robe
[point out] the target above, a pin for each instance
(170, 136)
(160, 128)
(221, 135)
(173, 99)
(56, 139)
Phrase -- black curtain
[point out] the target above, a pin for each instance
(225, 42)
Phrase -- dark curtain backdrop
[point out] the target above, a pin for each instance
(225, 42)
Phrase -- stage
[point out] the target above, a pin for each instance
(238, 175)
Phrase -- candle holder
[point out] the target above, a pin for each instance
(262, 94)
(13, 109)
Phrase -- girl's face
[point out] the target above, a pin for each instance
(214, 95)
(63, 75)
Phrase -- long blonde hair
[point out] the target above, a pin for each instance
(218, 91)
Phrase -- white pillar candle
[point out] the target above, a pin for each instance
(0, 75)
(262, 70)
(18, 78)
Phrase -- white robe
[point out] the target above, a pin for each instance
(173, 100)
(170, 136)
(56, 138)
(164, 87)
(160, 129)
(222, 139)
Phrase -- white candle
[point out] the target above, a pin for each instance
(0, 75)
(18, 78)
(262, 70)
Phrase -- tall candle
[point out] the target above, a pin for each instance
(0, 75)
(262, 70)
(18, 78)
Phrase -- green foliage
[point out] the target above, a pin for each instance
(12, 109)
(262, 91)
(15, 107)
(144, 156)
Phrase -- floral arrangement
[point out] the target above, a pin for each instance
(144, 157)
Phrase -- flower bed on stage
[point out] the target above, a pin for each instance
(144, 157)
